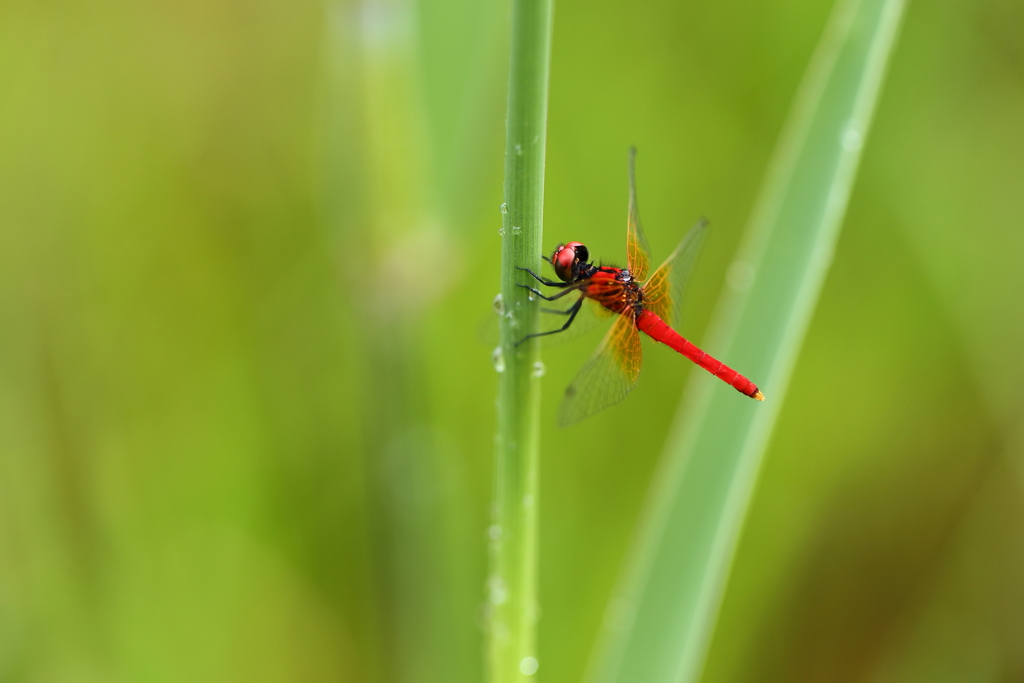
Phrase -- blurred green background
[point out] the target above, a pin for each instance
(246, 418)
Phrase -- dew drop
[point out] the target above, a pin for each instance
(498, 304)
(528, 666)
(494, 531)
(511, 319)
(539, 369)
(519, 149)
(528, 500)
(498, 360)
(516, 229)
(504, 207)
(501, 230)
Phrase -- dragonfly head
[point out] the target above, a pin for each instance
(567, 259)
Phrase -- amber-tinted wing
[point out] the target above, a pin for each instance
(607, 377)
(638, 254)
(663, 293)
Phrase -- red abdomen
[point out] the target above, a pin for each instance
(658, 330)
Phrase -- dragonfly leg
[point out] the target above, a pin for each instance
(555, 311)
(572, 316)
(549, 283)
(549, 298)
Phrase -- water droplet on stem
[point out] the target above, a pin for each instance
(528, 666)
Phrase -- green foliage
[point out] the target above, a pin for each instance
(246, 422)
(660, 627)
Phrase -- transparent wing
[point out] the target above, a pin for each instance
(664, 292)
(638, 254)
(554, 315)
(607, 377)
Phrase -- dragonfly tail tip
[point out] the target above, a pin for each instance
(758, 395)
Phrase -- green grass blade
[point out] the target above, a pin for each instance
(659, 628)
(512, 584)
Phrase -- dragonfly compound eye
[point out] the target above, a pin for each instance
(565, 259)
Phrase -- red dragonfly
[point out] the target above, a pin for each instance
(641, 304)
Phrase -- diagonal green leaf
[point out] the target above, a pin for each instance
(659, 627)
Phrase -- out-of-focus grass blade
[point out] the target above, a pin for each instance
(658, 629)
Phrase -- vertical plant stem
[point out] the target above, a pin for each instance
(512, 585)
